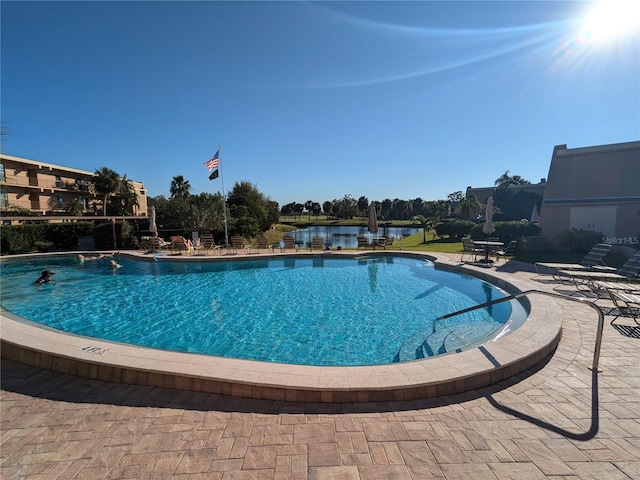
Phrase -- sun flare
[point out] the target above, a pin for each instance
(608, 19)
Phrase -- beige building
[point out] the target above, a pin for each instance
(594, 188)
(48, 189)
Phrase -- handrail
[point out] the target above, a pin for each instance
(596, 353)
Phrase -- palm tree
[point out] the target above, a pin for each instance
(505, 180)
(106, 183)
(469, 207)
(127, 197)
(74, 207)
(424, 223)
(180, 188)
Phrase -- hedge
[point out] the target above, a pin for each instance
(33, 237)
(506, 231)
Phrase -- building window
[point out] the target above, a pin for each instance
(2, 179)
(58, 181)
(82, 184)
(4, 200)
(59, 201)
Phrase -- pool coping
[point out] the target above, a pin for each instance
(32, 344)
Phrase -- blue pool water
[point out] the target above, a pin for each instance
(310, 311)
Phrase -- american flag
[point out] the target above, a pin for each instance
(213, 162)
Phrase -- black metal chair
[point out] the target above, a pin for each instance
(508, 251)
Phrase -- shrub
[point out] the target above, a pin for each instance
(454, 228)
(579, 240)
(42, 236)
(506, 231)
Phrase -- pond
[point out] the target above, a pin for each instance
(347, 236)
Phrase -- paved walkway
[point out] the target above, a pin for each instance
(557, 421)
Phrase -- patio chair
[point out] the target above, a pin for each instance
(363, 242)
(289, 242)
(207, 243)
(629, 271)
(592, 260)
(262, 243)
(468, 248)
(626, 302)
(509, 251)
(180, 244)
(317, 243)
(237, 243)
(623, 286)
(154, 244)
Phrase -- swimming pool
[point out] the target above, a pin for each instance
(295, 310)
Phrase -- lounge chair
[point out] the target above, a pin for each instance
(388, 241)
(237, 243)
(262, 243)
(363, 242)
(509, 251)
(626, 302)
(628, 271)
(592, 260)
(380, 242)
(317, 243)
(623, 286)
(180, 244)
(468, 248)
(289, 242)
(207, 243)
(154, 244)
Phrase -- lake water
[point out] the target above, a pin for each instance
(347, 237)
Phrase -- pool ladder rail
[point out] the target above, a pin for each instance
(598, 344)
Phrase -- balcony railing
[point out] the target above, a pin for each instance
(49, 184)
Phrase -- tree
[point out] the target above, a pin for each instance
(346, 207)
(74, 207)
(180, 187)
(106, 183)
(316, 208)
(327, 208)
(308, 206)
(363, 206)
(505, 180)
(252, 212)
(455, 197)
(424, 223)
(441, 209)
(417, 206)
(469, 207)
(124, 199)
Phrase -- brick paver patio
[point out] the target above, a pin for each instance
(557, 421)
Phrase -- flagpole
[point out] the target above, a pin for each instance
(224, 198)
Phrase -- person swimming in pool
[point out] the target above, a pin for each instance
(45, 277)
(83, 258)
(113, 265)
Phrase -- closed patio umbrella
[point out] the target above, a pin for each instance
(153, 228)
(488, 227)
(373, 220)
(535, 217)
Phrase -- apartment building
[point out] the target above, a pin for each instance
(48, 189)
(594, 188)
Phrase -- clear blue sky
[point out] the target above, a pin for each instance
(313, 101)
